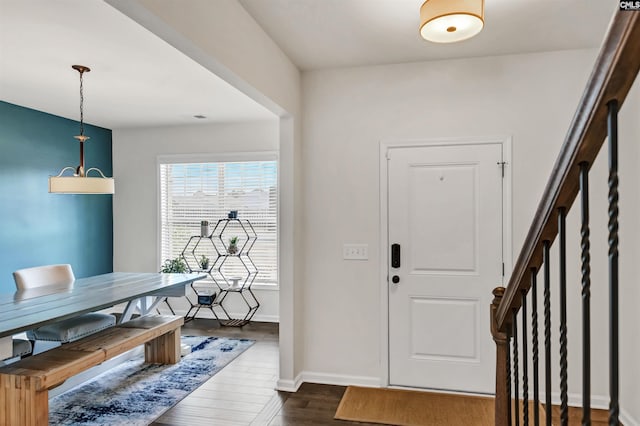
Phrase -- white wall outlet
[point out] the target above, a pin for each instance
(355, 252)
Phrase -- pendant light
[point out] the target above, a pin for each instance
(80, 182)
(448, 21)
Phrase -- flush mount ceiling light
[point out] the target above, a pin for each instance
(448, 21)
(80, 182)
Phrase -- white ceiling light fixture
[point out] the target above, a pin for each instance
(80, 182)
(448, 21)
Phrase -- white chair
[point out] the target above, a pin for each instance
(67, 330)
(21, 348)
(42, 276)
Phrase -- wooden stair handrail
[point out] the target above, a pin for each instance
(613, 75)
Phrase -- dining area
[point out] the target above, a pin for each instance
(67, 334)
(66, 318)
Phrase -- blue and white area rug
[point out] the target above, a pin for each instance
(134, 393)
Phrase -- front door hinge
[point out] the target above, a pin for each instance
(502, 164)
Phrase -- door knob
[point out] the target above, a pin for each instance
(395, 279)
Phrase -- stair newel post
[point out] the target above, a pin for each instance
(502, 349)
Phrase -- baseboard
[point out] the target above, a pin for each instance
(340, 379)
(626, 418)
(327, 379)
(598, 402)
(575, 400)
(258, 317)
(205, 313)
(289, 385)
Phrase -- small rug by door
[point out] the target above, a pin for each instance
(134, 393)
(414, 408)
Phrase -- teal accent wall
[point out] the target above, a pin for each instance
(38, 228)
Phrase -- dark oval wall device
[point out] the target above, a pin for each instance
(395, 255)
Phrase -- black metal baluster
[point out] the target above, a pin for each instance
(525, 366)
(509, 378)
(562, 237)
(534, 345)
(586, 295)
(515, 367)
(547, 331)
(612, 125)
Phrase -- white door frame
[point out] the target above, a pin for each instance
(385, 146)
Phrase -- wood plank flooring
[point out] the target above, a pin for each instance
(598, 417)
(243, 393)
(241, 390)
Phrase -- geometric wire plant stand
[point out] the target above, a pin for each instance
(231, 272)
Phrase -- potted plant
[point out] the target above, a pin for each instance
(233, 245)
(176, 265)
(204, 262)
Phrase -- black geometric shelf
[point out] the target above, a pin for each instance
(230, 268)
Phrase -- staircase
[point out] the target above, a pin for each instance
(518, 346)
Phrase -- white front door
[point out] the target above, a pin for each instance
(445, 213)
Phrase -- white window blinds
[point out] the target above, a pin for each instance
(192, 192)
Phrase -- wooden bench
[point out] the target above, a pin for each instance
(24, 385)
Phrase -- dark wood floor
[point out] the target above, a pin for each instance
(243, 393)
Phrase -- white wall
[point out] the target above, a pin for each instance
(346, 114)
(135, 203)
(629, 146)
(335, 318)
(222, 37)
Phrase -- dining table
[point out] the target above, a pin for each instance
(142, 292)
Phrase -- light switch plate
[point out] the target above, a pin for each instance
(355, 252)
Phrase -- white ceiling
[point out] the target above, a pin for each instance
(341, 33)
(139, 80)
(136, 79)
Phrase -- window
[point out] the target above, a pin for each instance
(192, 192)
